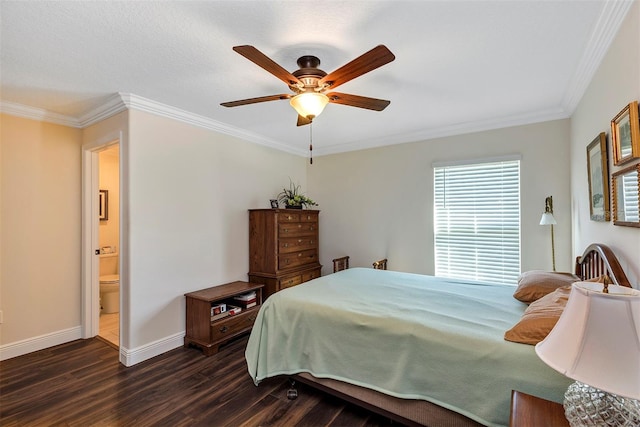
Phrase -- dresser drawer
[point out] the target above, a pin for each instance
(288, 217)
(309, 217)
(297, 229)
(294, 244)
(289, 281)
(310, 275)
(232, 325)
(295, 259)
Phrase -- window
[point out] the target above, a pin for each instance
(477, 221)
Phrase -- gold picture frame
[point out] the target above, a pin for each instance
(625, 135)
(598, 175)
(625, 185)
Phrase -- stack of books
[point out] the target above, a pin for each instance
(247, 300)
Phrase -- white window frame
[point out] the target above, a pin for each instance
(477, 224)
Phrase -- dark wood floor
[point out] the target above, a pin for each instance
(82, 384)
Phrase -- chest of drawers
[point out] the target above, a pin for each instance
(283, 247)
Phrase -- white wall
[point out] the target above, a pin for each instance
(186, 192)
(189, 192)
(615, 84)
(378, 203)
(40, 234)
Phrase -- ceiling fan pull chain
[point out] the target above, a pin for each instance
(311, 143)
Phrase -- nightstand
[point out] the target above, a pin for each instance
(531, 411)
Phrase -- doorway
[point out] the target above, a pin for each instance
(101, 236)
(108, 244)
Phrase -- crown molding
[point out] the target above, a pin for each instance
(604, 32)
(119, 102)
(112, 106)
(139, 103)
(40, 114)
(445, 131)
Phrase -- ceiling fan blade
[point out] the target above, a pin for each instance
(369, 61)
(256, 100)
(262, 60)
(358, 101)
(302, 121)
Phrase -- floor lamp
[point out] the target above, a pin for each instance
(548, 219)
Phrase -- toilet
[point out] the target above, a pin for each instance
(110, 293)
(109, 280)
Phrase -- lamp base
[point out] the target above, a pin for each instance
(588, 406)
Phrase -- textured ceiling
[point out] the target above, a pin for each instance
(460, 65)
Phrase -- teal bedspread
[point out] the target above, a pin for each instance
(406, 335)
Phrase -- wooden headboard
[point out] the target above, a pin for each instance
(598, 260)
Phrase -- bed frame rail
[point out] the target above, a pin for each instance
(597, 260)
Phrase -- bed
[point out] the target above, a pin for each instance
(419, 349)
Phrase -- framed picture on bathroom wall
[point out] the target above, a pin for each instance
(104, 205)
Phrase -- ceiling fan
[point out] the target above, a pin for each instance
(313, 88)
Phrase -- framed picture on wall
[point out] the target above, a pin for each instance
(625, 135)
(625, 185)
(103, 211)
(598, 174)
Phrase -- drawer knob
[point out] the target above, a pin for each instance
(286, 245)
(224, 329)
(299, 255)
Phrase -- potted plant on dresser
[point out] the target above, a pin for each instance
(292, 198)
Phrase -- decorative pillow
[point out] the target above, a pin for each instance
(535, 284)
(539, 318)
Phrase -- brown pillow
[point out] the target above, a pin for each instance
(539, 318)
(535, 284)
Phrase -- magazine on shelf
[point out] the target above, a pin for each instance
(246, 297)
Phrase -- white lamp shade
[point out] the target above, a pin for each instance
(309, 104)
(547, 219)
(596, 340)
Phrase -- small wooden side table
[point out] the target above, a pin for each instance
(208, 334)
(531, 411)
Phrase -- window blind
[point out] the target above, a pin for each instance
(477, 221)
(630, 197)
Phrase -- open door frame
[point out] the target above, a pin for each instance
(90, 237)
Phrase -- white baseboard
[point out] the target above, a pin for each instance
(147, 351)
(127, 357)
(19, 348)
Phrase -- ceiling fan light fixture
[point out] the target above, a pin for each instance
(309, 104)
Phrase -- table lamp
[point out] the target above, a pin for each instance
(597, 343)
